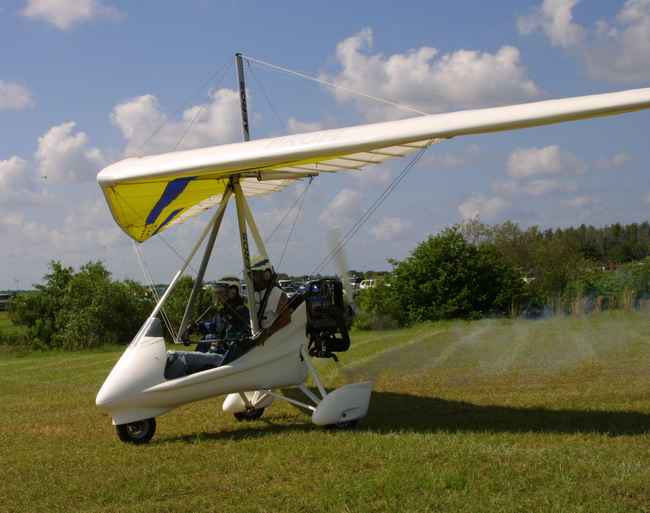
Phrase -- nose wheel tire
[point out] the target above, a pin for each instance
(139, 432)
(249, 415)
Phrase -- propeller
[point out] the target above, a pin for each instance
(341, 264)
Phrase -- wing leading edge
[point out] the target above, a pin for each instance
(150, 194)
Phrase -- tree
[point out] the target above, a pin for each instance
(445, 278)
(83, 309)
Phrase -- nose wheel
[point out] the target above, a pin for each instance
(140, 432)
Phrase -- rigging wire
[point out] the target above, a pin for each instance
(266, 96)
(180, 257)
(200, 110)
(333, 85)
(154, 292)
(221, 70)
(295, 220)
(286, 214)
(352, 231)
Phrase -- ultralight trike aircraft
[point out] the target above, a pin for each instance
(151, 194)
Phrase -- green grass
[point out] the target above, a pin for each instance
(506, 416)
(7, 327)
(4, 320)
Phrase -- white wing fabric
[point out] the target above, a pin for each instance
(148, 195)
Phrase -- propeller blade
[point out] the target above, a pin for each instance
(341, 263)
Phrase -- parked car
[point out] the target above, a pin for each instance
(367, 284)
(289, 287)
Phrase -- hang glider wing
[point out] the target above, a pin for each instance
(148, 195)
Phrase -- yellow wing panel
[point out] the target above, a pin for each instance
(145, 209)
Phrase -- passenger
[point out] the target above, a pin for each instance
(215, 328)
(238, 322)
(230, 322)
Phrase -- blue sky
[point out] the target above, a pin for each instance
(85, 82)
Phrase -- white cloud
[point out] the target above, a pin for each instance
(550, 160)
(20, 187)
(14, 96)
(463, 158)
(581, 201)
(614, 162)
(296, 126)
(64, 14)
(616, 50)
(427, 80)
(538, 187)
(14, 176)
(479, 206)
(621, 51)
(374, 175)
(507, 188)
(148, 130)
(391, 228)
(85, 227)
(555, 19)
(65, 156)
(89, 225)
(541, 187)
(343, 208)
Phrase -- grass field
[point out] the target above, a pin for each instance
(7, 328)
(525, 416)
(4, 321)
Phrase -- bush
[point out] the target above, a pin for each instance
(445, 278)
(80, 310)
(622, 288)
(377, 308)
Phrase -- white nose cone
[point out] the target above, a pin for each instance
(140, 367)
(104, 396)
(111, 392)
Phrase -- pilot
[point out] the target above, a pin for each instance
(270, 300)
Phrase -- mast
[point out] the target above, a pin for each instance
(242, 96)
(241, 203)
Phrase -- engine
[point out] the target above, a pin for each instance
(328, 318)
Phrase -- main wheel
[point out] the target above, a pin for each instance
(139, 432)
(248, 415)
